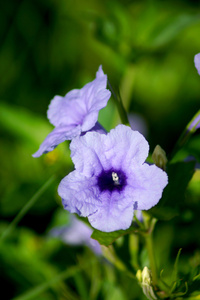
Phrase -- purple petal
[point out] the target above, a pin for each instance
(121, 147)
(89, 120)
(197, 62)
(57, 136)
(79, 193)
(115, 212)
(195, 122)
(146, 184)
(100, 73)
(95, 93)
(94, 246)
(80, 106)
(77, 233)
(125, 147)
(87, 154)
(98, 128)
(68, 110)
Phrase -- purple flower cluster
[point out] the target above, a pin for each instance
(111, 178)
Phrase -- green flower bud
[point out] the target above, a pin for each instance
(145, 280)
(159, 157)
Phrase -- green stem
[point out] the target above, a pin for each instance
(120, 107)
(149, 244)
(150, 224)
(25, 209)
(134, 249)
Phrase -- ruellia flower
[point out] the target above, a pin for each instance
(77, 233)
(197, 62)
(110, 179)
(76, 112)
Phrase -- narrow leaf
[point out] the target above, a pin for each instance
(175, 270)
(32, 293)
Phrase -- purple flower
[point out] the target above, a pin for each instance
(77, 233)
(197, 62)
(111, 179)
(76, 112)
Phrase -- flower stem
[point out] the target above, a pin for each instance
(149, 244)
(120, 106)
(150, 224)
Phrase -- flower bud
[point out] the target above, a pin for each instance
(159, 157)
(145, 280)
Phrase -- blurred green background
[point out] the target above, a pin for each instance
(49, 47)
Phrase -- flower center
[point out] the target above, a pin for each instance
(111, 180)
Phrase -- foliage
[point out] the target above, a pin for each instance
(147, 50)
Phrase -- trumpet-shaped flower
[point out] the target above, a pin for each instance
(76, 112)
(110, 179)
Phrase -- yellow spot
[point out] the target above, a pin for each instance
(51, 157)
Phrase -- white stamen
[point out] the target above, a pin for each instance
(115, 178)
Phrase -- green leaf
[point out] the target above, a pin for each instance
(194, 285)
(107, 238)
(181, 293)
(23, 124)
(179, 175)
(193, 146)
(175, 270)
(170, 28)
